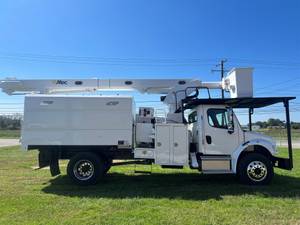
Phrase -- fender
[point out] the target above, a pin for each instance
(236, 153)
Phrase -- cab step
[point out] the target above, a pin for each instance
(211, 164)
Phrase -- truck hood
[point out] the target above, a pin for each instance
(251, 135)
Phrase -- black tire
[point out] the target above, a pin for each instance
(255, 169)
(85, 168)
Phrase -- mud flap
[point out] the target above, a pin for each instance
(48, 157)
(282, 163)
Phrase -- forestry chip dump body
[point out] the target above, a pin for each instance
(96, 132)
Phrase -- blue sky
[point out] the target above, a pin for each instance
(153, 39)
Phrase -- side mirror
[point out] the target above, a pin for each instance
(230, 125)
(193, 93)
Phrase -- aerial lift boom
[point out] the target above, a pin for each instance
(238, 83)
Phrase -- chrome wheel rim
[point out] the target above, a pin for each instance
(83, 169)
(257, 171)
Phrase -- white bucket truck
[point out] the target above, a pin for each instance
(201, 133)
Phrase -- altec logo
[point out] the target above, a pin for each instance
(61, 82)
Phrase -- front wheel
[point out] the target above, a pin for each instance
(255, 169)
(85, 168)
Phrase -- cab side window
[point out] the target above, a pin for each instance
(217, 118)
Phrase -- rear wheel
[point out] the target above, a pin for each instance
(85, 168)
(255, 169)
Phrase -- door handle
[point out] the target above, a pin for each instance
(208, 139)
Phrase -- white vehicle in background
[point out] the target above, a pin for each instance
(201, 133)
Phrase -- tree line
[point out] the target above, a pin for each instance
(276, 123)
(12, 122)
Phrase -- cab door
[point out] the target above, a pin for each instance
(217, 140)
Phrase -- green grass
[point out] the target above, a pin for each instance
(165, 197)
(9, 133)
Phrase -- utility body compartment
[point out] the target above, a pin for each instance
(171, 144)
(77, 121)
